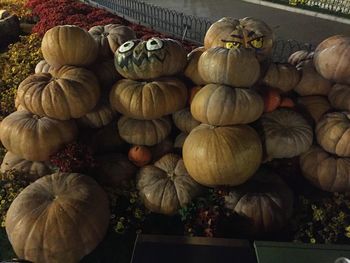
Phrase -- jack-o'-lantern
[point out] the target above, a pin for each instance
(150, 59)
(248, 32)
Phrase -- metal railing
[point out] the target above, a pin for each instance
(180, 25)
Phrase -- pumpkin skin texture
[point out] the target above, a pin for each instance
(68, 45)
(166, 186)
(339, 97)
(180, 140)
(316, 106)
(332, 58)
(326, 171)
(144, 132)
(223, 105)
(233, 67)
(59, 218)
(285, 134)
(109, 37)
(43, 67)
(148, 100)
(106, 75)
(311, 83)
(248, 32)
(192, 93)
(333, 133)
(184, 120)
(150, 59)
(140, 155)
(265, 202)
(62, 94)
(31, 170)
(300, 56)
(191, 70)
(100, 116)
(162, 148)
(34, 138)
(227, 155)
(281, 76)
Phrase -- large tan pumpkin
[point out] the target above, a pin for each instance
(30, 170)
(326, 171)
(109, 37)
(248, 32)
(68, 45)
(339, 97)
(223, 105)
(59, 218)
(333, 133)
(166, 186)
(150, 59)
(184, 120)
(144, 132)
(148, 100)
(191, 70)
(316, 106)
(100, 116)
(285, 134)
(227, 155)
(35, 138)
(311, 83)
(233, 67)
(332, 58)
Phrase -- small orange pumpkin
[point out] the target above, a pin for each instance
(140, 155)
(287, 103)
(272, 99)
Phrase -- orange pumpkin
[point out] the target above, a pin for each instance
(140, 155)
(287, 103)
(272, 99)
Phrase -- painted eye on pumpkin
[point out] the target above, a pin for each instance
(233, 44)
(127, 46)
(257, 43)
(154, 44)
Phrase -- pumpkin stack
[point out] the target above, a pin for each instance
(327, 166)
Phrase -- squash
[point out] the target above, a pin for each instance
(184, 120)
(272, 99)
(287, 103)
(59, 218)
(165, 186)
(191, 70)
(333, 133)
(316, 106)
(148, 100)
(109, 37)
(100, 116)
(339, 97)
(228, 155)
(180, 140)
(144, 132)
(326, 171)
(43, 67)
(35, 138)
(140, 155)
(106, 75)
(62, 94)
(233, 67)
(332, 58)
(285, 134)
(300, 56)
(311, 83)
(150, 59)
(193, 91)
(30, 170)
(223, 105)
(68, 45)
(234, 33)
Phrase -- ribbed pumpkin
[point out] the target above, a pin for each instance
(227, 155)
(162, 148)
(192, 92)
(191, 70)
(34, 138)
(285, 133)
(300, 56)
(184, 120)
(333, 133)
(100, 116)
(150, 59)
(28, 169)
(233, 67)
(311, 83)
(265, 202)
(59, 218)
(43, 67)
(326, 171)
(332, 58)
(315, 105)
(109, 37)
(106, 74)
(68, 45)
(62, 94)
(180, 140)
(222, 105)
(148, 100)
(248, 32)
(281, 76)
(166, 186)
(339, 97)
(144, 132)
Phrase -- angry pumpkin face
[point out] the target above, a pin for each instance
(154, 58)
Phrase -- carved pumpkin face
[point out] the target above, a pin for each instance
(241, 33)
(150, 59)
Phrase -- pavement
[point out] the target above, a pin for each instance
(286, 24)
